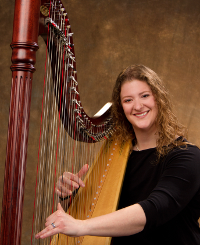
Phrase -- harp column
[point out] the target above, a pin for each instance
(24, 46)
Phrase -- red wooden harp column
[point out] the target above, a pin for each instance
(24, 45)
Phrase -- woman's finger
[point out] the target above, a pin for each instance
(52, 223)
(83, 171)
(48, 231)
(67, 182)
(69, 178)
(66, 185)
(71, 181)
(54, 216)
(63, 192)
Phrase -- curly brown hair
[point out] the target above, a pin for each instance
(168, 126)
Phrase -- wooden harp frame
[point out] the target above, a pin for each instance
(28, 24)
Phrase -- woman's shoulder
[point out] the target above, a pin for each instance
(183, 162)
(184, 144)
(184, 154)
(186, 147)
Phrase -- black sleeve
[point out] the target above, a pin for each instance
(177, 186)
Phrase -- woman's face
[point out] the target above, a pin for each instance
(139, 105)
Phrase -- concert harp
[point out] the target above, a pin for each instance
(68, 135)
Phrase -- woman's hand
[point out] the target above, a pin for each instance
(61, 222)
(123, 222)
(68, 182)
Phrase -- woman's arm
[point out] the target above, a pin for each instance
(124, 222)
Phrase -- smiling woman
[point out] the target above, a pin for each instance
(140, 109)
(149, 32)
(159, 202)
(134, 81)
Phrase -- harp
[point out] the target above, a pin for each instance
(49, 19)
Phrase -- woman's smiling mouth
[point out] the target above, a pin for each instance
(141, 114)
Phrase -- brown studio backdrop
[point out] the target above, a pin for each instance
(110, 35)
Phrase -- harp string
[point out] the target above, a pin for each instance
(43, 137)
(35, 217)
(58, 151)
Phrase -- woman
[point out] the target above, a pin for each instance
(160, 199)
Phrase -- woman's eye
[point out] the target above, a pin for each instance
(145, 95)
(128, 100)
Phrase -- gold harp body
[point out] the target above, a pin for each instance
(110, 167)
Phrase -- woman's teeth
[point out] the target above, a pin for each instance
(143, 114)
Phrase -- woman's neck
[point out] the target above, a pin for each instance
(145, 140)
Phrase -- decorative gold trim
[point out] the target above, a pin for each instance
(44, 10)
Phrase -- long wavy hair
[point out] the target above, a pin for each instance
(167, 124)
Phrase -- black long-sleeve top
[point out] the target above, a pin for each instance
(169, 193)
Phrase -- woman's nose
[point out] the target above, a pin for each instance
(138, 105)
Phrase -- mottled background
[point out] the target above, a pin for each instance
(110, 35)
